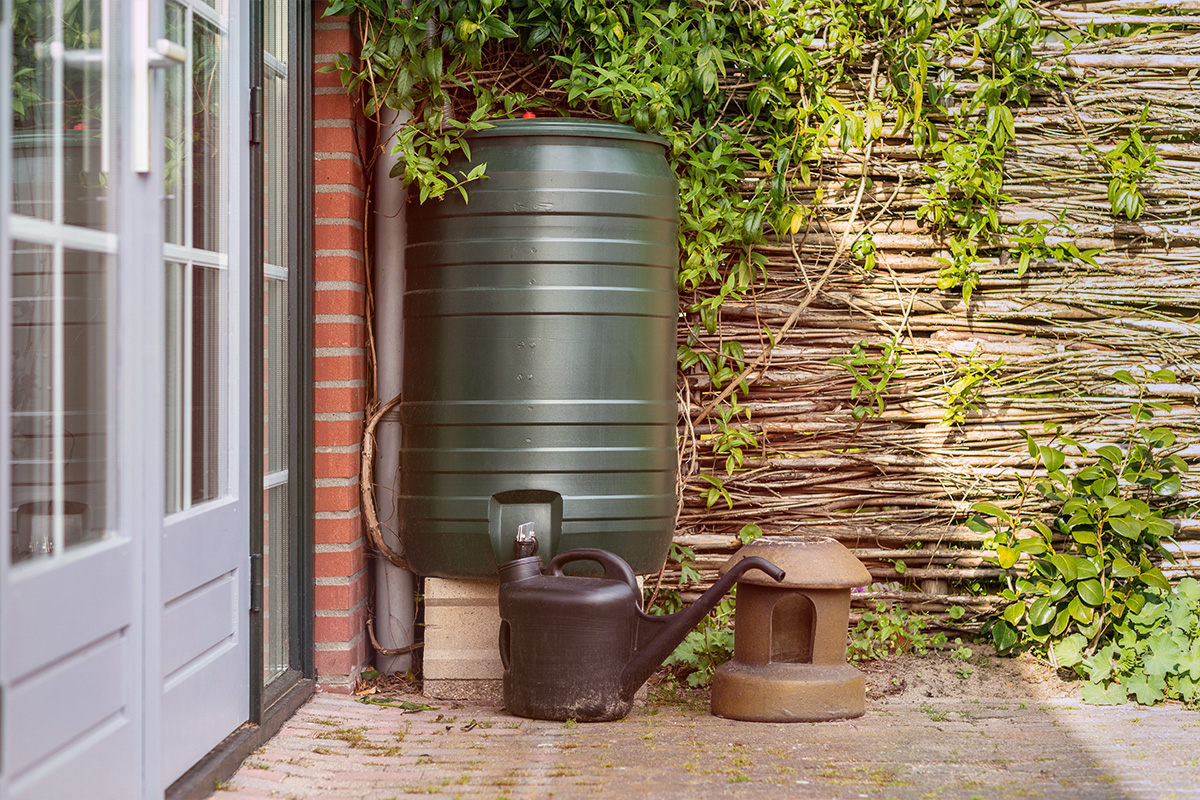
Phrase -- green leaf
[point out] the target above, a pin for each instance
(1085, 568)
(1156, 579)
(1004, 636)
(1112, 694)
(1121, 568)
(1006, 557)
(992, 510)
(1090, 592)
(1052, 458)
(1061, 621)
(1189, 662)
(1162, 655)
(749, 533)
(1041, 612)
(1148, 689)
(1069, 651)
(1168, 486)
(1128, 527)
(406, 705)
(1189, 589)
(1065, 565)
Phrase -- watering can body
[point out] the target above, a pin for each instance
(578, 647)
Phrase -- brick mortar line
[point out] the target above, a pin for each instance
(334, 613)
(335, 646)
(338, 286)
(334, 483)
(339, 221)
(341, 580)
(337, 515)
(339, 188)
(338, 547)
(337, 449)
(359, 352)
(333, 319)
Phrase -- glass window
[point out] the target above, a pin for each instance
(277, 523)
(59, 399)
(61, 250)
(196, 231)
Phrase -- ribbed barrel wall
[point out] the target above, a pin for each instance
(539, 352)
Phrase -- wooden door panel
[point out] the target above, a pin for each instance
(85, 613)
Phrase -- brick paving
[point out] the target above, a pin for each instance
(336, 748)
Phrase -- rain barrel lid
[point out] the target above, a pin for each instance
(566, 126)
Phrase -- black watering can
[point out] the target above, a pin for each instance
(579, 647)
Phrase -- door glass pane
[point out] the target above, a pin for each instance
(210, 387)
(276, 566)
(177, 427)
(59, 96)
(277, 524)
(196, 169)
(209, 166)
(275, 169)
(197, 373)
(176, 139)
(33, 112)
(59, 399)
(276, 375)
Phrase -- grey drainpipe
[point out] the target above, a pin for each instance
(395, 590)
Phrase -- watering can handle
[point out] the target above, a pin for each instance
(615, 567)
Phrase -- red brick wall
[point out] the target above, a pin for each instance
(339, 366)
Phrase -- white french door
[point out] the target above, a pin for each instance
(124, 312)
(205, 557)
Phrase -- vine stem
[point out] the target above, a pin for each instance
(759, 363)
(389, 651)
(366, 486)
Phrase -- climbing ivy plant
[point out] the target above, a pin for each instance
(751, 96)
(751, 86)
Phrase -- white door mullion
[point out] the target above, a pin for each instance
(54, 55)
(57, 406)
(186, 398)
(187, 131)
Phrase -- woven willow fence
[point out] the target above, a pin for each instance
(897, 488)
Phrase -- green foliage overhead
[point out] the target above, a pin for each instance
(750, 96)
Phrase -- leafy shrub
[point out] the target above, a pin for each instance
(1154, 654)
(889, 631)
(708, 647)
(1086, 586)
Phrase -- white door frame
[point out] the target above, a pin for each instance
(115, 587)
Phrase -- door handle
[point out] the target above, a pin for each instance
(163, 54)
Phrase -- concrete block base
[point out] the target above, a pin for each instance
(462, 628)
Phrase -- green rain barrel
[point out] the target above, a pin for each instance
(539, 351)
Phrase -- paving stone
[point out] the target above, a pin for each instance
(943, 751)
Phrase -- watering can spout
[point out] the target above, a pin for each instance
(659, 636)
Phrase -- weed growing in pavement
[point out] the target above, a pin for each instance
(935, 714)
(890, 630)
(326, 721)
(355, 737)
